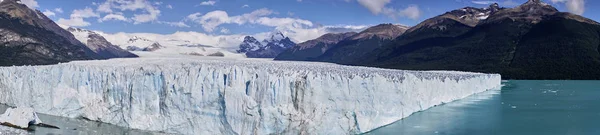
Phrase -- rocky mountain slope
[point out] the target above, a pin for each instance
(268, 48)
(312, 49)
(530, 41)
(359, 45)
(99, 44)
(28, 37)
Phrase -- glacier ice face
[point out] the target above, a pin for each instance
(234, 96)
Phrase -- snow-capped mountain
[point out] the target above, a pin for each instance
(268, 48)
(28, 37)
(311, 49)
(250, 44)
(99, 44)
(469, 16)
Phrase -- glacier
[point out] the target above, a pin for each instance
(189, 95)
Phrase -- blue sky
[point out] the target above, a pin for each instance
(221, 17)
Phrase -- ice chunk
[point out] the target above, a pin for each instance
(20, 117)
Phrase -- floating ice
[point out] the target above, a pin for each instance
(20, 117)
(234, 96)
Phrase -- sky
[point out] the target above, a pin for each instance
(301, 19)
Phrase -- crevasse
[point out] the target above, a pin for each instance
(229, 96)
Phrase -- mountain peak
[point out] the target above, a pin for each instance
(384, 31)
(494, 6)
(534, 1)
(276, 36)
(249, 39)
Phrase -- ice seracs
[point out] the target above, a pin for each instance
(188, 95)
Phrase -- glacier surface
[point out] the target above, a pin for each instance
(234, 96)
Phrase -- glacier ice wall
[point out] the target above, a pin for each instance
(228, 96)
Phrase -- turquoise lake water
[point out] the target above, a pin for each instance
(520, 108)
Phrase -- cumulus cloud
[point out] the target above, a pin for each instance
(411, 12)
(145, 11)
(246, 6)
(73, 22)
(208, 3)
(77, 17)
(375, 6)
(169, 6)
(212, 20)
(224, 31)
(574, 6)
(378, 7)
(58, 10)
(299, 30)
(84, 13)
(49, 13)
(175, 24)
(30, 3)
(116, 17)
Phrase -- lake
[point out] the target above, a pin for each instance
(520, 108)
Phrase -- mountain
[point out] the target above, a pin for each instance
(155, 46)
(99, 44)
(357, 46)
(313, 48)
(268, 48)
(249, 44)
(28, 37)
(530, 41)
(180, 43)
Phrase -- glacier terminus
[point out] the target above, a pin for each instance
(194, 95)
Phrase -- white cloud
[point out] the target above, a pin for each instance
(73, 22)
(116, 17)
(246, 6)
(208, 3)
(77, 17)
(378, 7)
(49, 13)
(176, 24)
(211, 20)
(411, 12)
(375, 6)
(145, 10)
(169, 6)
(484, 2)
(84, 13)
(298, 30)
(574, 6)
(105, 7)
(224, 31)
(58, 10)
(30, 3)
(194, 16)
